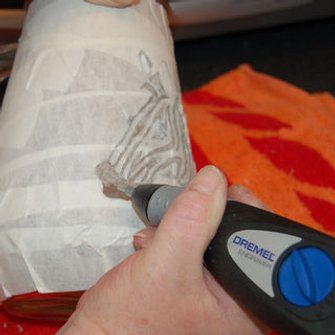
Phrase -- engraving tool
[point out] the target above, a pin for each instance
(279, 270)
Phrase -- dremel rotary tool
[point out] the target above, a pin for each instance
(278, 269)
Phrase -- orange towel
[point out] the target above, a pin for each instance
(271, 137)
(268, 135)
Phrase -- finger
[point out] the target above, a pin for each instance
(244, 195)
(114, 3)
(191, 222)
(144, 237)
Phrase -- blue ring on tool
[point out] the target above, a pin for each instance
(307, 276)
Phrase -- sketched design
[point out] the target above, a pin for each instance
(156, 144)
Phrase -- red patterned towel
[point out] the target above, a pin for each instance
(272, 137)
(268, 135)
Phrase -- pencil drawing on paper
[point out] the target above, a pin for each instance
(155, 146)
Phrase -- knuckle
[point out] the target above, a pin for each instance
(192, 206)
(188, 218)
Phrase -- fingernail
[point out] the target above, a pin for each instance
(208, 180)
(140, 235)
(114, 3)
(139, 242)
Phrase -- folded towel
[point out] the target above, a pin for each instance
(265, 134)
(271, 137)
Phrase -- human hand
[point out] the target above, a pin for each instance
(163, 288)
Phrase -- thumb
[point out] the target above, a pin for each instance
(191, 222)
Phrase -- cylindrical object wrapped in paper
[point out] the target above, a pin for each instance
(91, 86)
